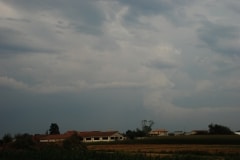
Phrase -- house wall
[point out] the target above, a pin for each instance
(158, 133)
(114, 137)
(51, 140)
(238, 133)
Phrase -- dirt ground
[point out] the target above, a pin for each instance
(167, 149)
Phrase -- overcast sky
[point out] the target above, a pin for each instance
(108, 64)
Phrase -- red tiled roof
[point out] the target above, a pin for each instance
(159, 130)
(82, 134)
(55, 136)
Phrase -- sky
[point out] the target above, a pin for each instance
(109, 64)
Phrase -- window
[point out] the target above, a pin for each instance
(104, 138)
(96, 138)
(88, 139)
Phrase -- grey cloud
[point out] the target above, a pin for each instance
(83, 14)
(220, 38)
(209, 99)
(91, 29)
(160, 64)
(173, 10)
(24, 20)
(227, 69)
(234, 6)
(123, 69)
(13, 41)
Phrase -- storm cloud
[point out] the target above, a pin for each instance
(100, 64)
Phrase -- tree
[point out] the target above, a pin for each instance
(23, 141)
(130, 134)
(74, 143)
(147, 126)
(54, 129)
(219, 129)
(7, 138)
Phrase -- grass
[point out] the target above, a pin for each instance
(160, 148)
(193, 139)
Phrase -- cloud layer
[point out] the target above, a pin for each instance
(119, 62)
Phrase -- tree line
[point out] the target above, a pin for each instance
(213, 129)
(27, 141)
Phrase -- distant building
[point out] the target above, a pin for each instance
(178, 133)
(55, 138)
(158, 132)
(199, 132)
(98, 136)
(237, 132)
(88, 136)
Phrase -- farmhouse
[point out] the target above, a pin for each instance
(88, 136)
(158, 132)
(98, 136)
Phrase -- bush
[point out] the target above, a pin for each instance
(74, 143)
(23, 141)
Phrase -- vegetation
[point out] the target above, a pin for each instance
(24, 147)
(54, 129)
(219, 129)
(146, 128)
(74, 143)
(192, 139)
(23, 141)
(7, 138)
(55, 152)
(132, 134)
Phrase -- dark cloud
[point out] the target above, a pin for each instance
(209, 99)
(117, 64)
(85, 16)
(220, 38)
(13, 42)
(90, 110)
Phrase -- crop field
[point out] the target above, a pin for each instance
(216, 147)
(167, 148)
(161, 148)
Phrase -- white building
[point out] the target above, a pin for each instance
(88, 136)
(98, 136)
(237, 132)
(158, 132)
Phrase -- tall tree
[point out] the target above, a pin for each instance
(54, 129)
(147, 126)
